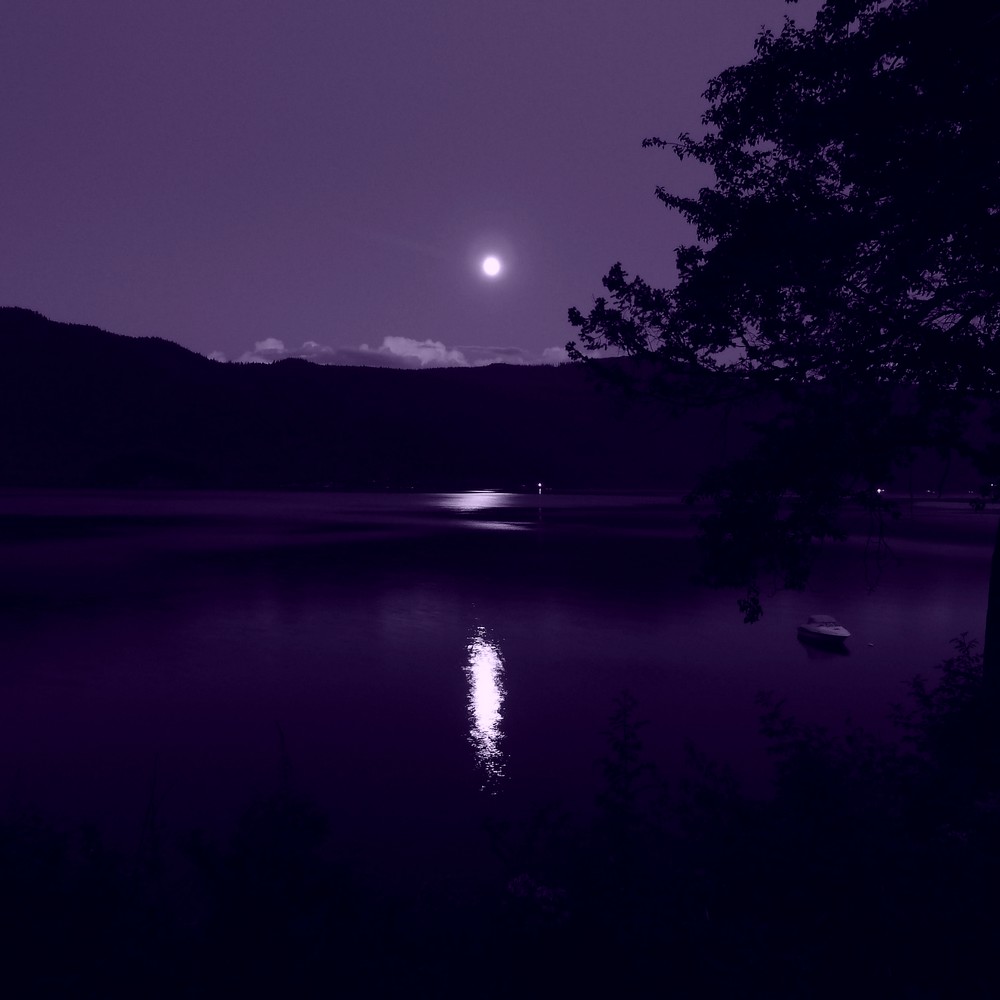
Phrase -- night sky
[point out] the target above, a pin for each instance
(248, 177)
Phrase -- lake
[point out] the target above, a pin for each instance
(425, 660)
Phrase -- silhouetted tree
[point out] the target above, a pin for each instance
(847, 264)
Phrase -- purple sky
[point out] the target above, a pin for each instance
(225, 174)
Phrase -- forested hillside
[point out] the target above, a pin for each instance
(83, 407)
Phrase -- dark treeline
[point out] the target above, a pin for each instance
(873, 867)
(87, 408)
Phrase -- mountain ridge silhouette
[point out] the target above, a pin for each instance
(89, 408)
(83, 407)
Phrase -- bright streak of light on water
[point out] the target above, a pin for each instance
(485, 670)
(473, 500)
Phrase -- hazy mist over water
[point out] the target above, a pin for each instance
(427, 659)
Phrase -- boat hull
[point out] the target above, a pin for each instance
(834, 635)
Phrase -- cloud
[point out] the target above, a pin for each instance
(434, 354)
(269, 349)
(270, 344)
(397, 352)
(426, 353)
(555, 356)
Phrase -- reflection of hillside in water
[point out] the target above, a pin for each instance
(484, 671)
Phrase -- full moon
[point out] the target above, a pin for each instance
(491, 266)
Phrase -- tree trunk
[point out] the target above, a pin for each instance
(991, 639)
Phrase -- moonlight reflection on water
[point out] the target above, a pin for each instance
(484, 671)
(474, 500)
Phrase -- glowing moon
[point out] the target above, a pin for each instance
(491, 266)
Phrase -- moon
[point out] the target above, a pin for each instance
(491, 266)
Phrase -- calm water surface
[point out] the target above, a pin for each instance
(426, 659)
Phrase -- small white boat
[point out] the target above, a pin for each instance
(823, 628)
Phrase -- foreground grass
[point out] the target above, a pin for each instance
(874, 867)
